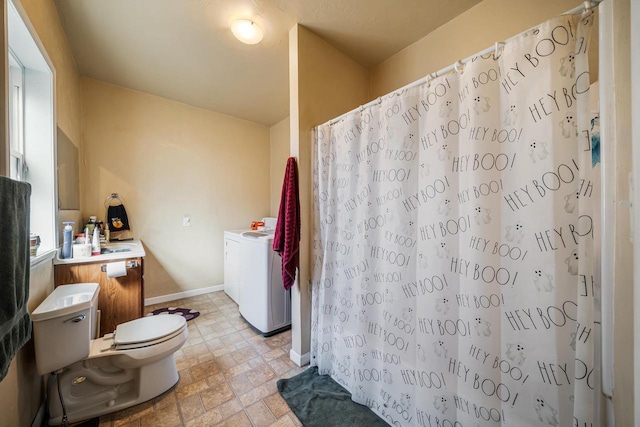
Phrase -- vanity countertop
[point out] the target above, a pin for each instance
(121, 250)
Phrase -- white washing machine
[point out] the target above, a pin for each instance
(264, 302)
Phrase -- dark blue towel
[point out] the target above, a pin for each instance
(117, 219)
(15, 322)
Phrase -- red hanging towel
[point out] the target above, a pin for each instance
(286, 239)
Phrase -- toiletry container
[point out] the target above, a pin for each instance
(91, 225)
(95, 244)
(34, 244)
(67, 240)
(81, 250)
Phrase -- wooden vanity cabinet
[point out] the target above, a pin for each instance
(121, 299)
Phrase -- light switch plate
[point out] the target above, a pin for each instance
(186, 221)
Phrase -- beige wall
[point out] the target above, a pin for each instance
(279, 153)
(316, 97)
(480, 27)
(635, 118)
(324, 83)
(623, 399)
(21, 391)
(44, 17)
(474, 30)
(168, 160)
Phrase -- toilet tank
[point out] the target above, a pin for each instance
(64, 324)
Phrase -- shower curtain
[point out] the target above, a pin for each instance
(452, 252)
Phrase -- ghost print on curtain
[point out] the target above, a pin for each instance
(452, 254)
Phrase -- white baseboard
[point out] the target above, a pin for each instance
(180, 295)
(300, 360)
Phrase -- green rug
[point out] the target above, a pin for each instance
(317, 400)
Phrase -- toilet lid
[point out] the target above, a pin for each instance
(146, 329)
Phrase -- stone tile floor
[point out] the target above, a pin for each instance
(228, 374)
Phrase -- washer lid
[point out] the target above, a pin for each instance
(148, 328)
(258, 236)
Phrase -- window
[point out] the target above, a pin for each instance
(16, 118)
(32, 124)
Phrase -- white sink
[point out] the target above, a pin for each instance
(109, 251)
(110, 248)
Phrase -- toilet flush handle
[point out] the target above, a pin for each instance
(76, 319)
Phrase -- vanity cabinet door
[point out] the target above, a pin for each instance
(232, 268)
(121, 299)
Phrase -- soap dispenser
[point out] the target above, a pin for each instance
(67, 240)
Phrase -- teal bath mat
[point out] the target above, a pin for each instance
(319, 401)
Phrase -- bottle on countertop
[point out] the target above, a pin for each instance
(100, 227)
(91, 224)
(87, 241)
(95, 244)
(67, 240)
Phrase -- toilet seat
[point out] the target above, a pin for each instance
(147, 331)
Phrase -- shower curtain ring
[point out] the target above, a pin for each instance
(496, 52)
(431, 77)
(379, 100)
(587, 6)
(458, 67)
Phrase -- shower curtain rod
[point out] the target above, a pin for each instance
(578, 9)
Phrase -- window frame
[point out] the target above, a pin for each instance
(38, 125)
(17, 169)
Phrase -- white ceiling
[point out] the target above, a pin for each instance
(183, 49)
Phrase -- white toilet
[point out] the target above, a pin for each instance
(99, 376)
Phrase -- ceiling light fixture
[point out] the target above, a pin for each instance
(247, 31)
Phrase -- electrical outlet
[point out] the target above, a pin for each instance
(186, 221)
